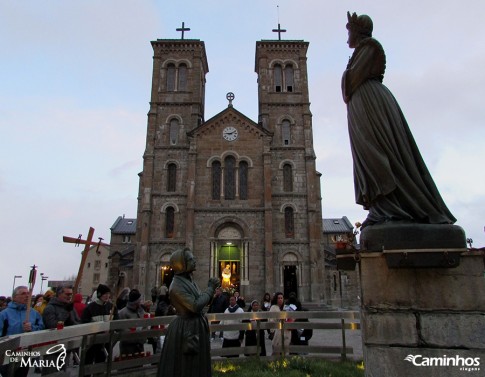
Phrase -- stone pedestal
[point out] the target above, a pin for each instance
(422, 321)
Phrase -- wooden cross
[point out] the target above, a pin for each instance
(88, 243)
(183, 29)
(279, 31)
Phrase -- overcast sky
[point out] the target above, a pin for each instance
(74, 91)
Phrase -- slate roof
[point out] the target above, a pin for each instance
(124, 225)
(337, 225)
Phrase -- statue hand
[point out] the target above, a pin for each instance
(214, 283)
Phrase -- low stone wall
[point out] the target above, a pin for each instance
(423, 321)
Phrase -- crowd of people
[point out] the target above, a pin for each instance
(223, 302)
(62, 308)
(59, 308)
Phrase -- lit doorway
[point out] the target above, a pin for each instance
(229, 267)
(166, 275)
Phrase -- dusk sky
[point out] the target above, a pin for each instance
(75, 90)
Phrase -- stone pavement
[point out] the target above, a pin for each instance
(322, 338)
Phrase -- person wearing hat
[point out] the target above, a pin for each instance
(40, 306)
(132, 310)
(99, 310)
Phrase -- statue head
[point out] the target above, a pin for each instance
(361, 25)
(182, 261)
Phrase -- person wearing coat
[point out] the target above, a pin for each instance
(99, 310)
(251, 335)
(186, 349)
(13, 321)
(78, 304)
(60, 309)
(277, 305)
(232, 338)
(40, 306)
(132, 310)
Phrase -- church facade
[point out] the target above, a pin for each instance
(242, 194)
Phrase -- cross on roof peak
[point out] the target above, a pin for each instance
(279, 31)
(183, 29)
(230, 97)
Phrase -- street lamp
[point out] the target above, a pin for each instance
(42, 280)
(15, 278)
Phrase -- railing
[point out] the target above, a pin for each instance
(78, 339)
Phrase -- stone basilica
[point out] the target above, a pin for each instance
(242, 194)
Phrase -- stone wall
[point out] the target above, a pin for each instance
(431, 315)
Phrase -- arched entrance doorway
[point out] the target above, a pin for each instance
(165, 271)
(229, 257)
(291, 273)
(290, 280)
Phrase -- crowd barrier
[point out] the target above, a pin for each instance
(77, 339)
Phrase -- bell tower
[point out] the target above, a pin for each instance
(284, 110)
(176, 108)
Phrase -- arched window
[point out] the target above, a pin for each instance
(182, 73)
(289, 223)
(289, 78)
(171, 77)
(243, 180)
(229, 178)
(287, 178)
(169, 222)
(278, 78)
(216, 180)
(174, 131)
(171, 177)
(285, 132)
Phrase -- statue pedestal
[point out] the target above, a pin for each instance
(421, 321)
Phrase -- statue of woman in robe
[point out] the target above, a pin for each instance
(391, 179)
(226, 276)
(186, 349)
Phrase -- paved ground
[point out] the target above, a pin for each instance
(323, 338)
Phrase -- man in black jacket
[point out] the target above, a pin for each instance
(132, 310)
(58, 313)
(60, 309)
(100, 310)
(218, 305)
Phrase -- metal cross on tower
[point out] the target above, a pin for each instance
(279, 31)
(88, 243)
(183, 29)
